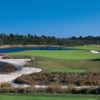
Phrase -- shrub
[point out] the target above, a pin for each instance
(5, 85)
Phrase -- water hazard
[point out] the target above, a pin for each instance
(18, 49)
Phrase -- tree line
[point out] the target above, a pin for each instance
(29, 39)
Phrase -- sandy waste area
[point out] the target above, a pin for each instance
(9, 77)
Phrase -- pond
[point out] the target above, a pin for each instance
(18, 49)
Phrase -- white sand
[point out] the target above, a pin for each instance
(94, 51)
(77, 87)
(1, 57)
(19, 62)
(19, 86)
(11, 76)
(81, 87)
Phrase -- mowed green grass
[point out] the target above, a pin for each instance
(59, 54)
(64, 60)
(60, 65)
(63, 65)
(89, 47)
(25, 97)
(71, 70)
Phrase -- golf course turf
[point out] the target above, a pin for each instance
(59, 54)
(76, 61)
(46, 97)
(64, 60)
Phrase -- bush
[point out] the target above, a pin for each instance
(78, 79)
(5, 85)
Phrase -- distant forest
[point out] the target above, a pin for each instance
(16, 39)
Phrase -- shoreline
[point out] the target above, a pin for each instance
(21, 46)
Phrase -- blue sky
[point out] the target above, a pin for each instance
(60, 18)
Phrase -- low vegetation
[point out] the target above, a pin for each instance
(7, 68)
(52, 90)
(78, 79)
(5, 85)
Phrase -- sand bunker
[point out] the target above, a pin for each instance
(19, 62)
(13, 75)
(94, 51)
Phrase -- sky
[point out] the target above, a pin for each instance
(60, 18)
